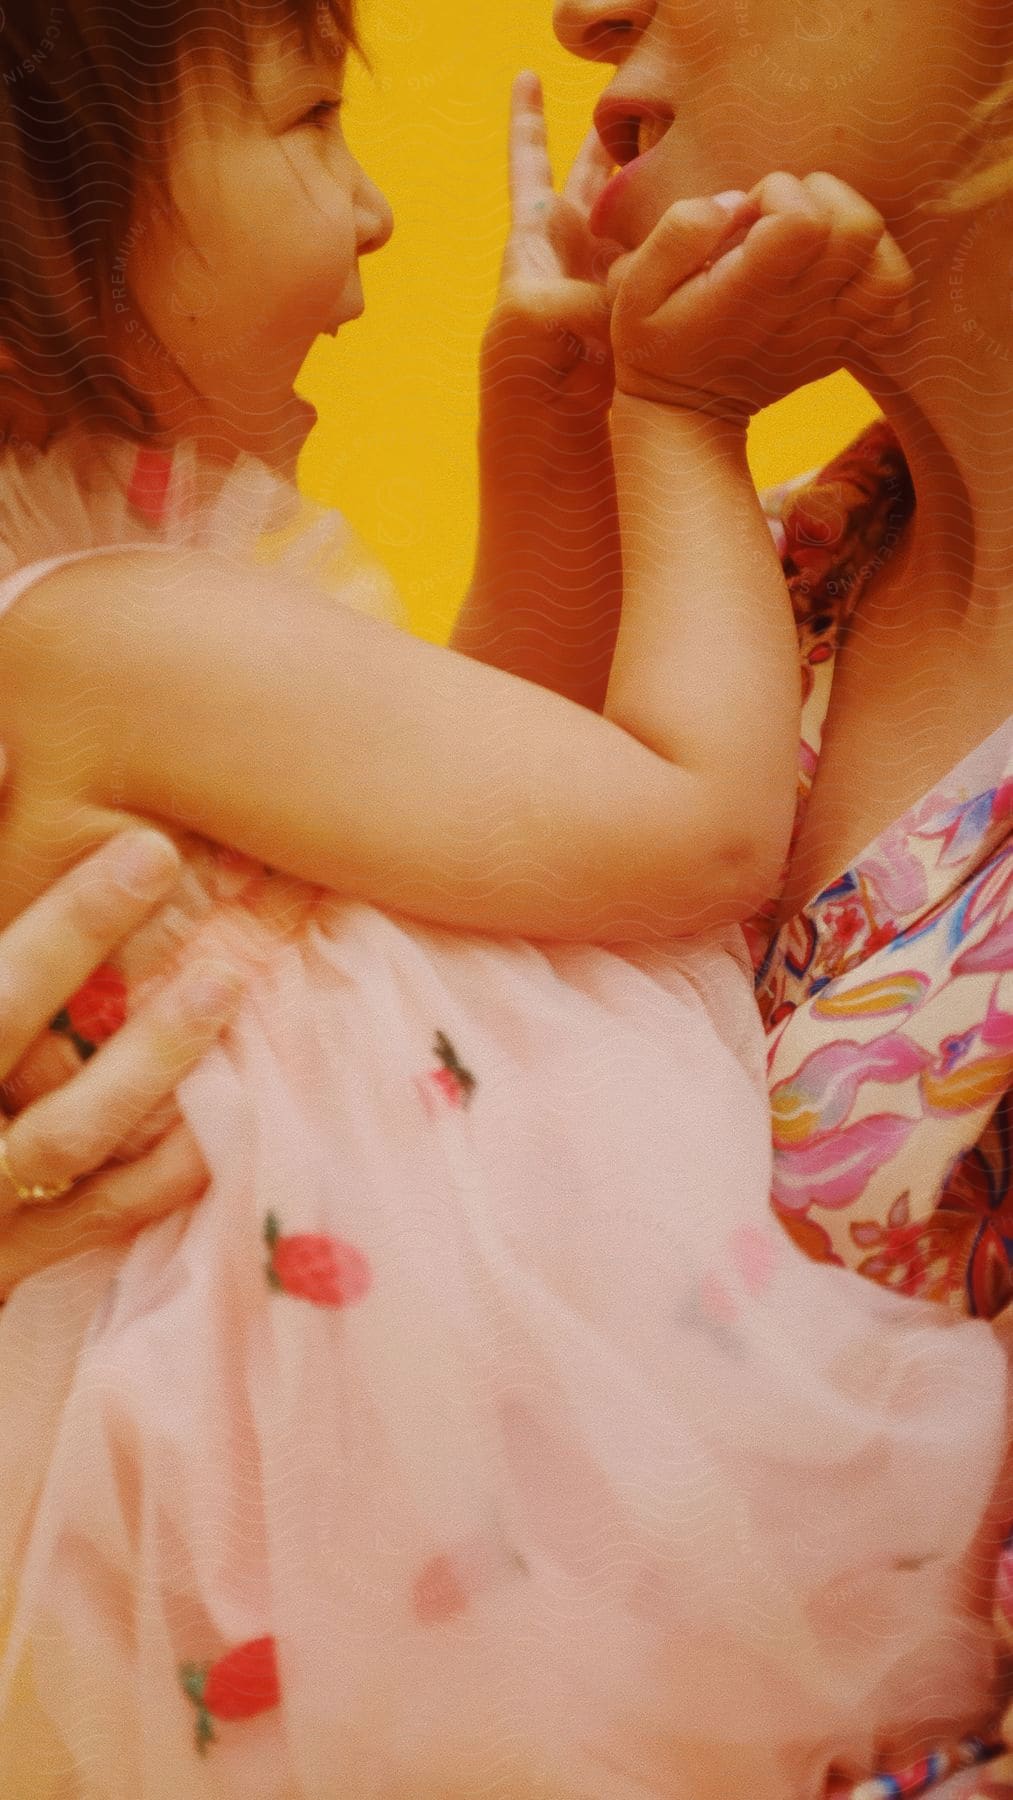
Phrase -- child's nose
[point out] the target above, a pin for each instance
(376, 220)
(602, 30)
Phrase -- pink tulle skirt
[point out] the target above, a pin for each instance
(479, 1433)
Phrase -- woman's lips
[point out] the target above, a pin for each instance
(603, 212)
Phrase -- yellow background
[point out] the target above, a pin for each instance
(396, 392)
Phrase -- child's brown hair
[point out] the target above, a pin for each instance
(89, 93)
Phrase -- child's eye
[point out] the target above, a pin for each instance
(322, 113)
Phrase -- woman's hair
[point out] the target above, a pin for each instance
(89, 97)
(988, 172)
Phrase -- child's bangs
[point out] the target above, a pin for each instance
(326, 29)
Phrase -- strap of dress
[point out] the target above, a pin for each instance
(18, 583)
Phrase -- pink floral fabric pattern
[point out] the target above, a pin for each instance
(888, 999)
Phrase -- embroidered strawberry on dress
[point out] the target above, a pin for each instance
(240, 1685)
(449, 1085)
(324, 1270)
(444, 1587)
(95, 1012)
(752, 1255)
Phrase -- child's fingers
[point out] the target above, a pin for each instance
(791, 230)
(682, 242)
(779, 249)
(824, 226)
(856, 228)
(590, 175)
(529, 167)
(879, 297)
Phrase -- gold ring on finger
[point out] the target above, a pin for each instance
(38, 1192)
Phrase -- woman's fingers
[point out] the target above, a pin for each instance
(77, 1127)
(52, 948)
(47, 1064)
(108, 1208)
(684, 240)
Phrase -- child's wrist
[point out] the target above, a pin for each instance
(635, 416)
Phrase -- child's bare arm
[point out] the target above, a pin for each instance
(179, 687)
(708, 329)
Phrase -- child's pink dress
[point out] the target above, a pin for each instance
(480, 1434)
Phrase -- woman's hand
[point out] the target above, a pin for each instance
(726, 308)
(90, 1112)
(546, 349)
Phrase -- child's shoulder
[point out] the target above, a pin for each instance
(85, 492)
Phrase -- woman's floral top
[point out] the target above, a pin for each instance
(888, 999)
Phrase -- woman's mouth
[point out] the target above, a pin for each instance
(631, 133)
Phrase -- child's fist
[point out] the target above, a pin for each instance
(733, 302)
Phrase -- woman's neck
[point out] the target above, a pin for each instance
(948, 394)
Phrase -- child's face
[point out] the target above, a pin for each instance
(278, 212)
(874, 94)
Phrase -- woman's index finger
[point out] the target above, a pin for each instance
(530, 169)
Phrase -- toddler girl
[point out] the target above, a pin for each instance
(480, 1433)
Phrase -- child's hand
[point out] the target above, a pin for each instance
(547, 344)
(725, 309)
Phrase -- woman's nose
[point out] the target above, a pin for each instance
(602, 30)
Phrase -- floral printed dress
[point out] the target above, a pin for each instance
(888, 1002)
(481, 1432)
